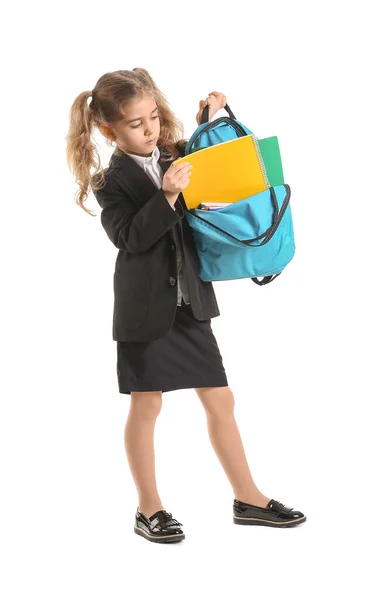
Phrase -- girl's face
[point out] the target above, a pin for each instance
(139, 126)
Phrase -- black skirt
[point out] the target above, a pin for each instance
(187, 356)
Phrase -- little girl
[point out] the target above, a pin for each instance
(162, 309)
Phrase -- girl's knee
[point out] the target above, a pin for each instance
(146, 404)
(218, 402)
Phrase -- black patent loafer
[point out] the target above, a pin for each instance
(274, 514)
(159, 527)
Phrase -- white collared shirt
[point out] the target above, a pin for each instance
(155, 173)
(150, 166)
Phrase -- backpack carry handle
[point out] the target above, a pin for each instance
(206, 113)
(209, 125)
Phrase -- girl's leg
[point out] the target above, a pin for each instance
(139, 446)
(225, 438)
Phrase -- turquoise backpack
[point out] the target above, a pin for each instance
(250, 238)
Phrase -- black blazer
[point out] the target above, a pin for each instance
(140, 222)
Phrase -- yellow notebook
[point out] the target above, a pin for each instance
(226, 172)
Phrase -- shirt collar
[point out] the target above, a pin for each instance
(146, 160)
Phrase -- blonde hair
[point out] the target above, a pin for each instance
(111, 91)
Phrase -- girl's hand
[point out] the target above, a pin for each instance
(176, 179)
(215, 101)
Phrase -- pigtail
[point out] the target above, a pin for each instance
(146, 77)
(81, 152)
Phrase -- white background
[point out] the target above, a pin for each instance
(301, 354)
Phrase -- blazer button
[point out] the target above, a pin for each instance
(172, 281)
(173, 247)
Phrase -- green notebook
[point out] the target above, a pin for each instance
(270, 152)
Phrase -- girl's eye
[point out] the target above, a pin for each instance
(135, 126)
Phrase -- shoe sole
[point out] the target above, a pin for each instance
(267, 522)
(161, 539)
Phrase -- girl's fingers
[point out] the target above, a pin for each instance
(219, 97)
(182, 167)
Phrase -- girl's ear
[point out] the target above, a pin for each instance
(107, 132)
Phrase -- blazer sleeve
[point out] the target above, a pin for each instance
(130, 229)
